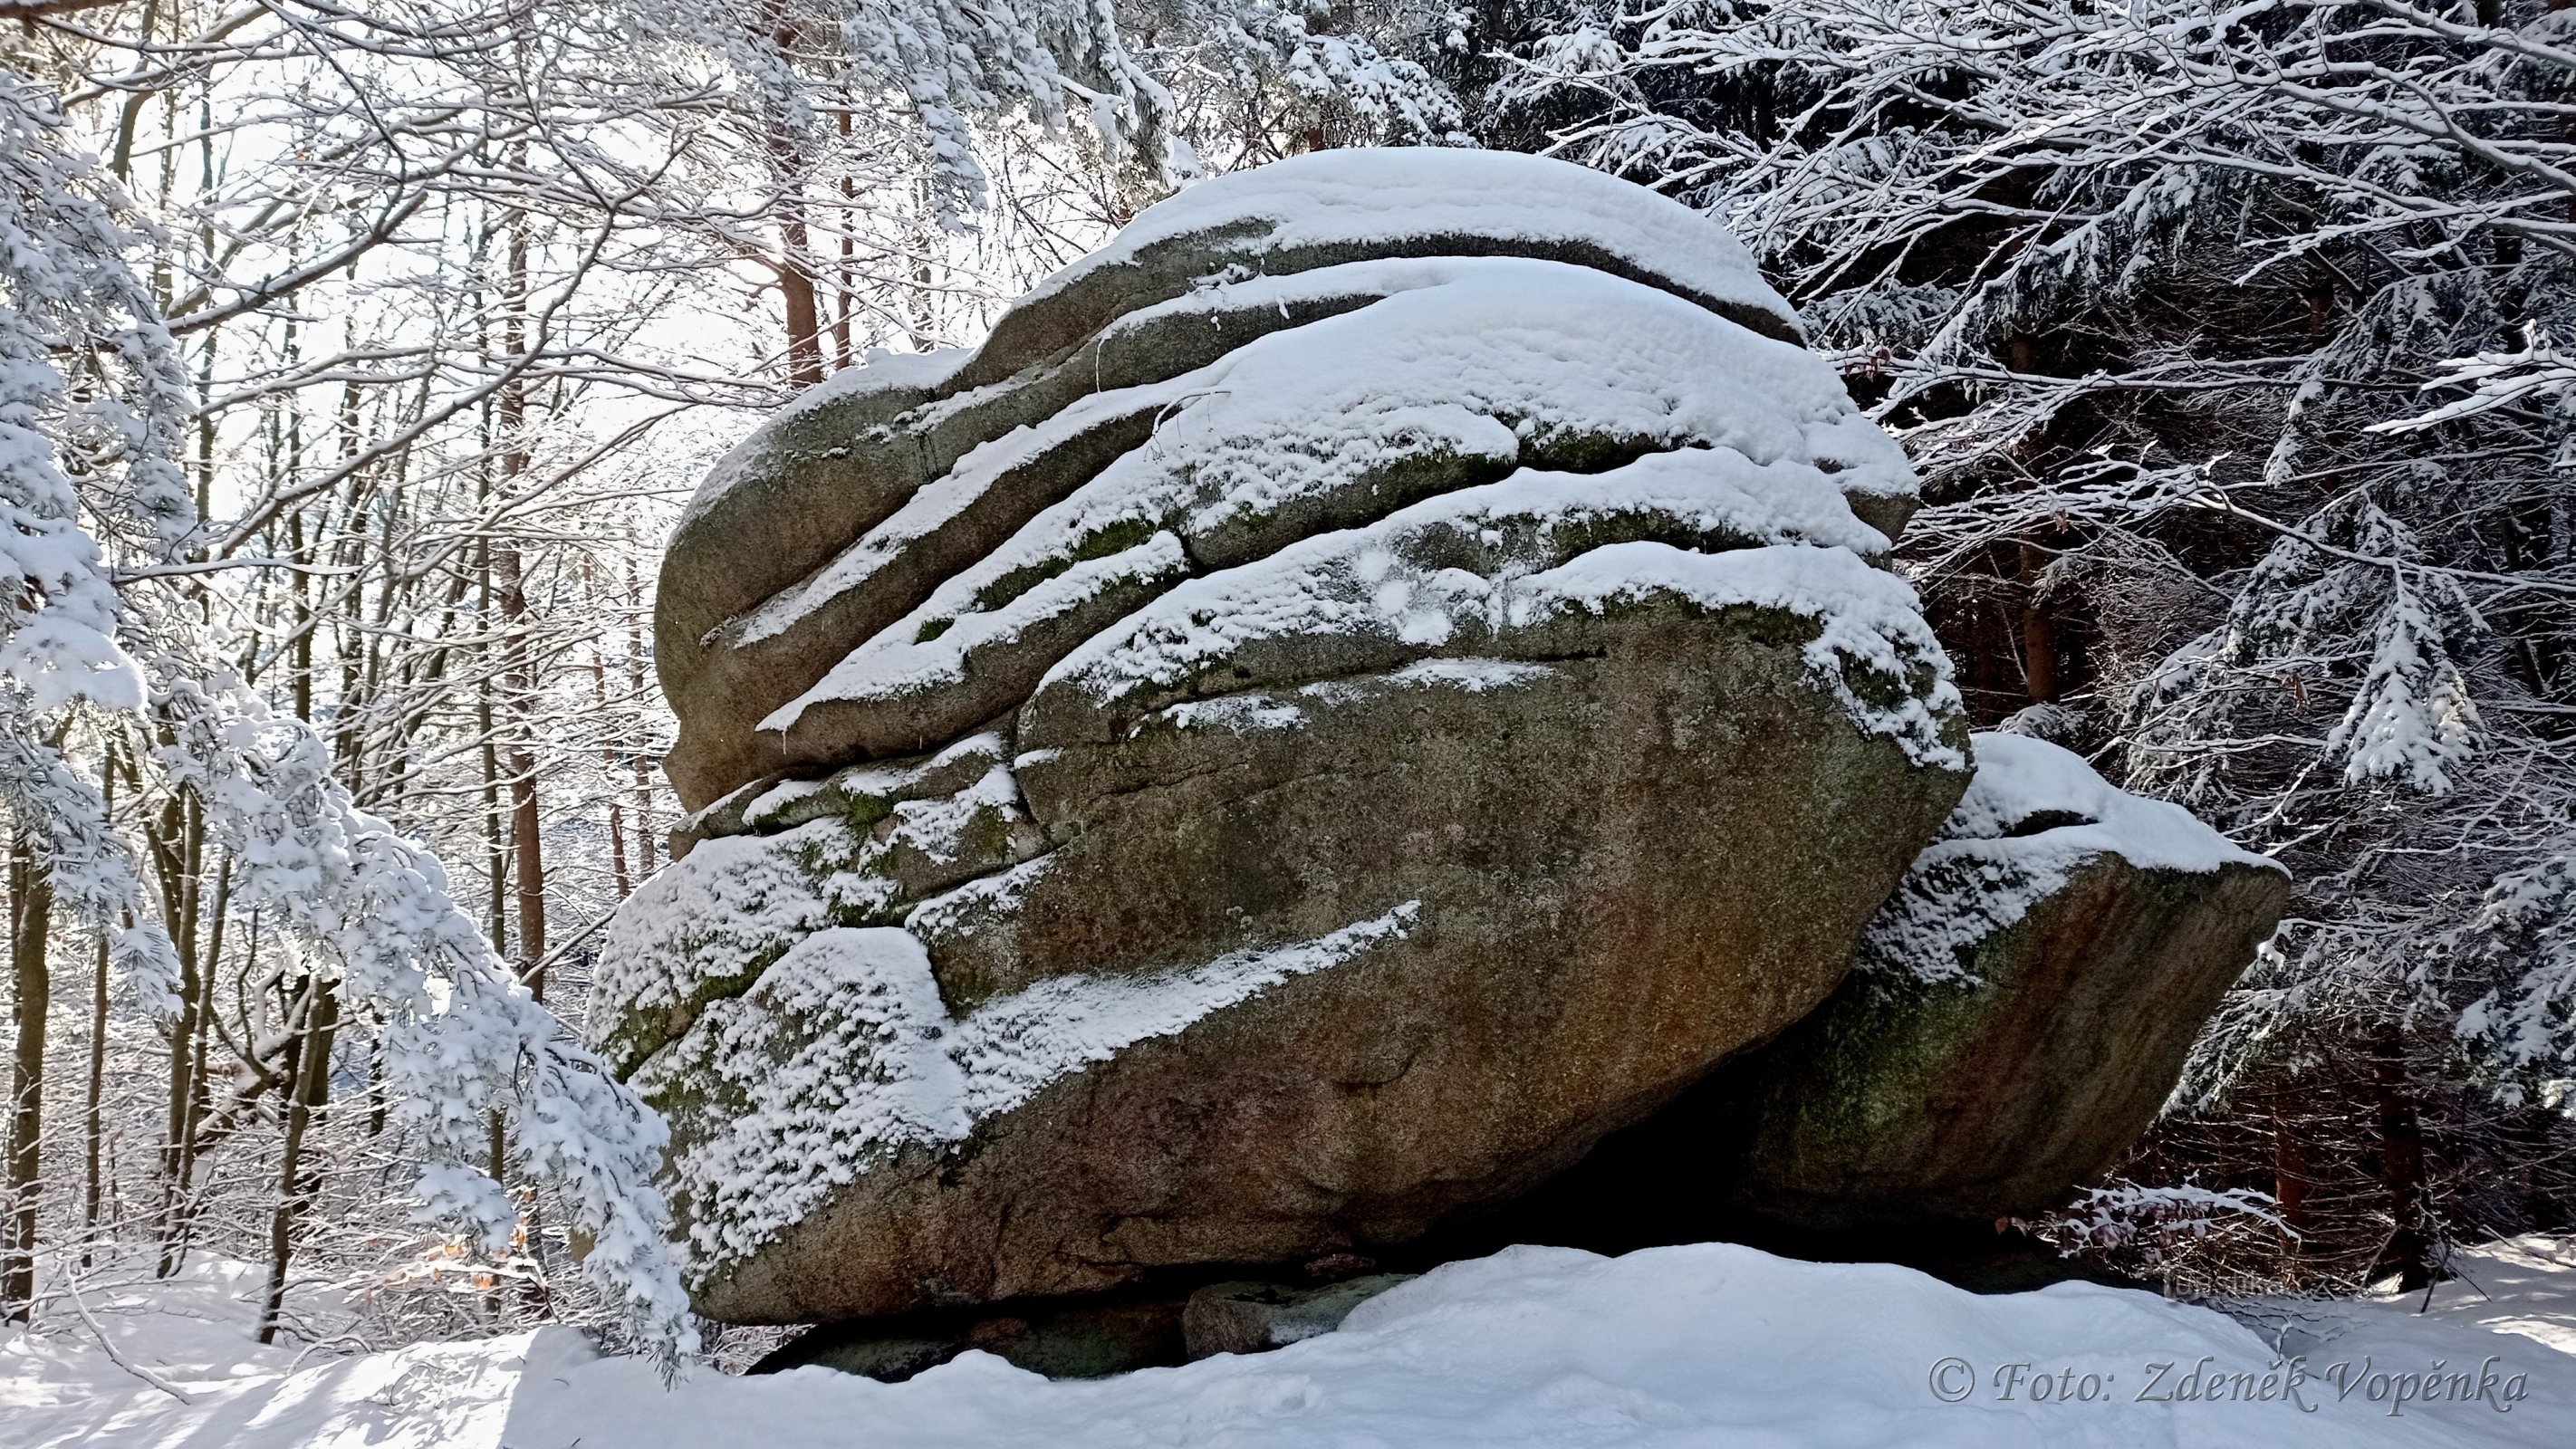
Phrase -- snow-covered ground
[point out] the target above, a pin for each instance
(1699, 1346)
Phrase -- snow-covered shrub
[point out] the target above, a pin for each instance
(2181, 1236)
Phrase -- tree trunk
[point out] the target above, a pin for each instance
(2290, 1187)
(804, 315)
(924, 310)
(509, 576)
(2401, 1164)
(795, 264)
(94, 1104)
(31, 911)
(174, 854)
(2038, 629)
(305, 1098)
(94, 1086)
(635, 690)
(842, 352)
(529, 855)
(495, 853)
(527, 847)
(608, 756)
(180, 1209)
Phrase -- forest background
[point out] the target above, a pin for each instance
(354, 360)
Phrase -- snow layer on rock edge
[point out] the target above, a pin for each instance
(1364, 194)
(1717, 492)
(881, 371)
(844, 1052)
(771, 805)
(1981, 876)
(706, 925)
(941, 502)
(1498, 356)
(1358, 583)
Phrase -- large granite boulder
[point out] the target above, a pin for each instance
(1370, 682)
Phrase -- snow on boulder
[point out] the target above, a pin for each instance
(1373, 680)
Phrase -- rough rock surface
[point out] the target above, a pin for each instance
(1251, 794)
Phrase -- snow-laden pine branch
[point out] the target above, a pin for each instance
(66, 300)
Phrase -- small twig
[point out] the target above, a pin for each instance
(118, 1359)
(208, 566)
(559, 952)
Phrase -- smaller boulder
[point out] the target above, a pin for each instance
(2017, 1013)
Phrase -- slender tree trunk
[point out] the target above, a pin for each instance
(94, 1104)
(2401, 1159)
(166, 854)
(635, 690)
(189, 1074)
(510, 580)
(31, 903)
(94, 1085)
(495, 852)
(924, 318)
(182, 888)
(527, 847)
(296, 1187)
(616, 808)
(842, 352)
(192, 1119)
(301, 647)
(2038, 628)
(497, 1166)
(624, 879)
(505, 587)
(2290, 1186)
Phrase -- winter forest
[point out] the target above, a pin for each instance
(357, 361)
